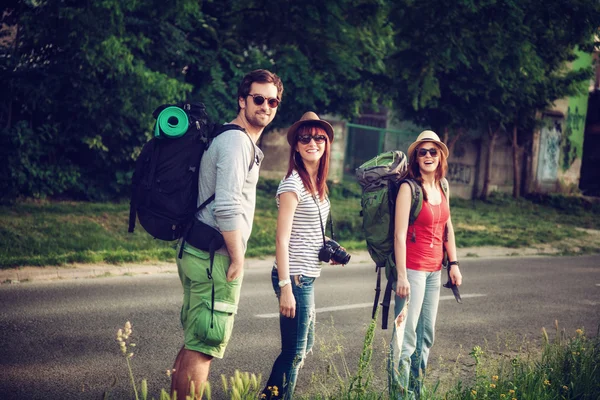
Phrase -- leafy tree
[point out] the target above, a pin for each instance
(79, 94)
(85, 76)
(485, 65)
(329, 53)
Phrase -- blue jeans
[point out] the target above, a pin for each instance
(408, 364)
(297, 337)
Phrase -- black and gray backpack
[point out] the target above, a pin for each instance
(164, 189)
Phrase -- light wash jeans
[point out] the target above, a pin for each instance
(297, 337)
(407, 365)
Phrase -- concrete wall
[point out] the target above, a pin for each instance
(545, 167)
(463, 169)
(277, 152)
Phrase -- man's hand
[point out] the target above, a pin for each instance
(287, 302)
(235, 270)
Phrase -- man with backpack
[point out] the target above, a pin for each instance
(212, 278)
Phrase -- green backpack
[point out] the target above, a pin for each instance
(380, 179)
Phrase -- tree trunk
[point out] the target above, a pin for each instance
(516, 166)
(488, 166)
(451, 142)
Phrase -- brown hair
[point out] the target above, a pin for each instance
(414, 171)
(297, 163)
(260, 76)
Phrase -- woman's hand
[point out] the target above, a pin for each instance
(402, 287)
(455, 275)
(333, 262)
(287, 302)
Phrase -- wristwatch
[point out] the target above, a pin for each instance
(454, 263)
(285, 282)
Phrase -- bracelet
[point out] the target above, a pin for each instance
(454, 263)
(284, 282)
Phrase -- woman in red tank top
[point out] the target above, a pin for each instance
(418, 251)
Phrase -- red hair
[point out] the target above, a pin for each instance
(295, 161)
(414, 170)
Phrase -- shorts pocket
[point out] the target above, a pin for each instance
(183, 315)
(222, 325)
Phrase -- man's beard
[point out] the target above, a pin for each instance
(256, 121)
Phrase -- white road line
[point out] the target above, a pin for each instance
(365, 305)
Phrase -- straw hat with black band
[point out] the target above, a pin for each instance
(309, 117)
(428, 136)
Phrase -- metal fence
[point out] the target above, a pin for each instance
(365, 142)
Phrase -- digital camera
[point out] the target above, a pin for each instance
(332, 250)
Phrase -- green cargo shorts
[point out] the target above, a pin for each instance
(196, 313)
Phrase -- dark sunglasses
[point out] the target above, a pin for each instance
(305, 139)
(423, 152)
(259, 99)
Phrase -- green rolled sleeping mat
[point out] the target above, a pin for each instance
(172, 122)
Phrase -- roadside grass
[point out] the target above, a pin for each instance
(47, 233)
(565, 367)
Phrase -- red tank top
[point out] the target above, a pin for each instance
(426, 252)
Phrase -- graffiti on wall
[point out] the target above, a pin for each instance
(460, 173)
(571, 140)
(550, 143)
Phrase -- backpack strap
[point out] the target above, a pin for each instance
(387, 298)
(377, 291)
(445, 189)
(416, 203)
(189, 227)
(235, 127)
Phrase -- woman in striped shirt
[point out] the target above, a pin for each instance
(303, 209)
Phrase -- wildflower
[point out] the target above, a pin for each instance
(565, 388)
(474, 392)
(275, 391)
(495, 377)
(502, 395)
(511, 391)
(493, 385)
(579, 332)
(546, 382)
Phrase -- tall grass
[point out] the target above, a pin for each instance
(566, 367)
(44, 233)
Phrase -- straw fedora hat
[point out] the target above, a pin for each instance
(309, 117)
(427, 136)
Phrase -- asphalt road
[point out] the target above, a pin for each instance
(57, 339)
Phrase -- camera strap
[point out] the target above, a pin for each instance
(321, 219)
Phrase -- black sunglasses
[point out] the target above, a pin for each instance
(305, 139)
(259, 99)
(423, 152)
